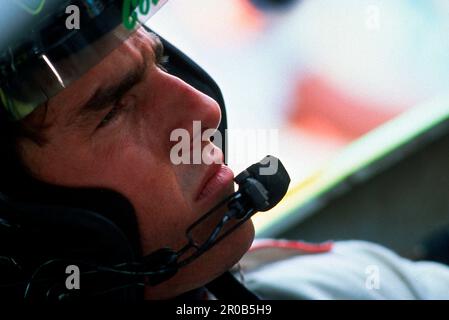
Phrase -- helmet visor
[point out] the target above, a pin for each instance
(45, 45)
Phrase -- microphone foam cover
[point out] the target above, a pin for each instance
(271, 173)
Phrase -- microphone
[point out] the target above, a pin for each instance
(262, 186)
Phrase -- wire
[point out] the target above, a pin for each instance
(35, 273)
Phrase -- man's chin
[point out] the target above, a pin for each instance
(242, 239)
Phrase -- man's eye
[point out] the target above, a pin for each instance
(122, 105)
(110, 116)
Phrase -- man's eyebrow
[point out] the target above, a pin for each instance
(104, 96)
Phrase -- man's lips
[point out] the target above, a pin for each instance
(217, 178)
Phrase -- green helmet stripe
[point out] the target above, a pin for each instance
(30, 10)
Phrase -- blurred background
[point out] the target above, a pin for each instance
(321, 74)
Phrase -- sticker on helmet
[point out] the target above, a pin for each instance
(33, 7)
(144, 7)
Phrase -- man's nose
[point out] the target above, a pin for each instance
(183, 104)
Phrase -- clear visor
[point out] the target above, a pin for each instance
(33, 71)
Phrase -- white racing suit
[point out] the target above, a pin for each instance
(342, 270)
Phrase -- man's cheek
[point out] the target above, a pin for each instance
(162, 227)
(188, 179)
(162, 213)
(63, 170)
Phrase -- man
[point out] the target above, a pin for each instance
(110, 129)
(122, 145)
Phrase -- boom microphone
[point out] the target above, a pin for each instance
(264, 183)
(261, 187)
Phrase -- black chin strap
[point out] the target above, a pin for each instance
(227, 287)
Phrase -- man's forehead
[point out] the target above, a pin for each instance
(136, 50)
(134, 53)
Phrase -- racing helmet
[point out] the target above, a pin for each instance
(44, 228)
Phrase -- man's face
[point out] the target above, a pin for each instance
(111, 129)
